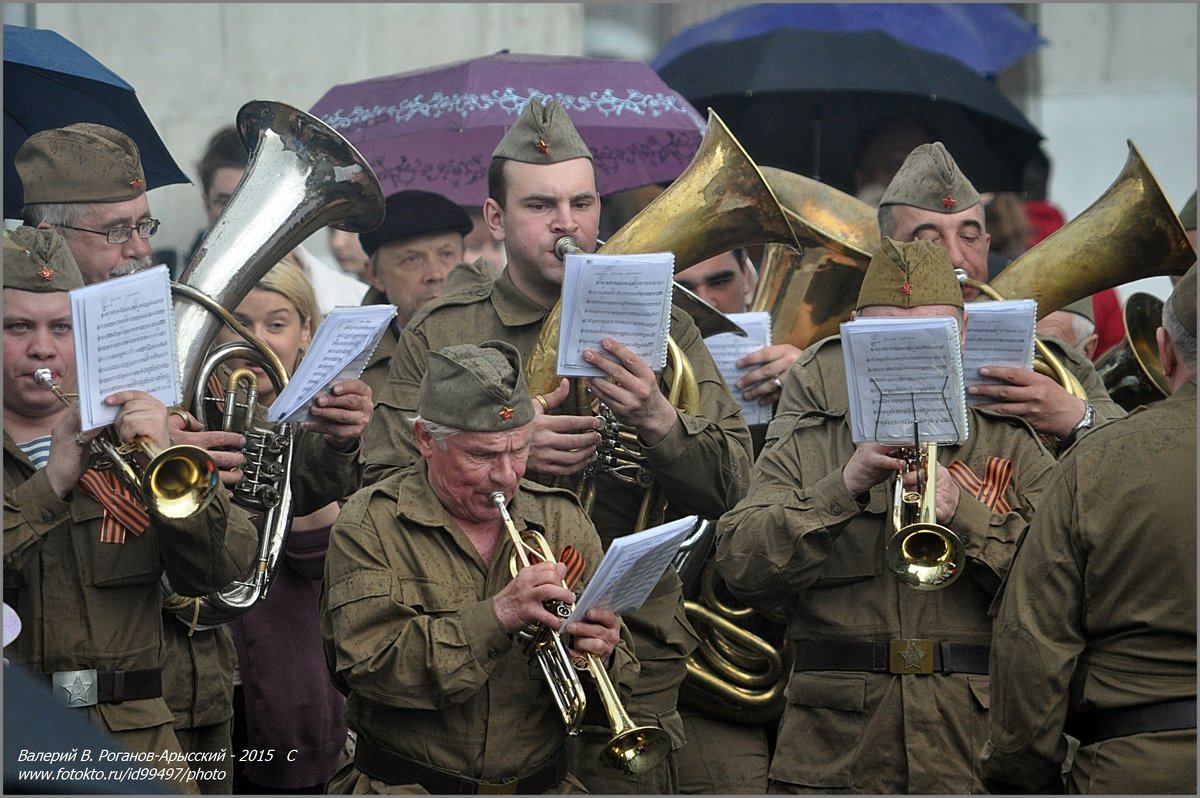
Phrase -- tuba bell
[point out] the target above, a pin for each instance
(1131, 370)
(301, 176)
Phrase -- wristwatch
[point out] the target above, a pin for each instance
(1086, 423)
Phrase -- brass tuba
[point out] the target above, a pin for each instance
(633, 749)
(1131, 370)
(301, 176)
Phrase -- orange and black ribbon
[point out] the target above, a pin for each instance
(122, 511)
(575, 563)
(991, 489)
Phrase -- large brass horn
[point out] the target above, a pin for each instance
(1129, 232)
(301, 176)
(1131, 370)
(810, 292)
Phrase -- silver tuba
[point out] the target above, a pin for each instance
(301, 176)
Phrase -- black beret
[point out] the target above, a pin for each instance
(409, 214)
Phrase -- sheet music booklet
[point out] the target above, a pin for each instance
(726, 348)
(632, 567)
(998, 334)
(627, 297)
(340, 350)
(904, 380)
(123, 340)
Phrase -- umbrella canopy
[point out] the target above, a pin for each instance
(988, 37)
(435, 129)
(50, 82)
(806, 100)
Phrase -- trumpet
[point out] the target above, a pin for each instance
(179, 481)
(632, 749)
(921, 553)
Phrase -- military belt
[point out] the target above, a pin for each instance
(88, 687)
(1104, 724)
(905, 656)
(395, 769)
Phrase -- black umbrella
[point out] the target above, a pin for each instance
(50, 82)
(805, 100)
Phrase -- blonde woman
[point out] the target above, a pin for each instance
(285, 701)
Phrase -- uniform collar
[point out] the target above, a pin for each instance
(514, 308)
(416, 502)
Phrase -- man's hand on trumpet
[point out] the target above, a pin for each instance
(523, 600)
(70, 452)
(561, 444)
(597, 634)
(225, 448)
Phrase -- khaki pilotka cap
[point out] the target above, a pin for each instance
(1183, 300)
(544, 134)
(475, 388)
(84, 162)
(910, 275)
(38, 260)
(930, 179)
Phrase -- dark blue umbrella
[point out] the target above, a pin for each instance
(50, 82)
(987, 37)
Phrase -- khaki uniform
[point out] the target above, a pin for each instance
(413, 640)
(376, 371)
(198, 668)
(799, 540)
(86, 604)
(1099, 612)
(702, 466)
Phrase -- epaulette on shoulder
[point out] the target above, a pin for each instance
(529, 486)
(810, 352)
(464, 296)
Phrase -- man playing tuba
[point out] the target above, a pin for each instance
(542, 186)
(889, 689)
(420, 605)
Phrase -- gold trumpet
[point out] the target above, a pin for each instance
(632, 749)
(179, 481)
(921, 553)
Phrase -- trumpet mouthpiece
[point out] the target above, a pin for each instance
(499, 499)
(43, 377)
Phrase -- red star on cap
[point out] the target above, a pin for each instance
(135, 183)
(46, 273)
(949, 201)
(543, 147)
(506, 413)
(906, 289)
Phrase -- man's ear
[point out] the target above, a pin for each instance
(493, 217)
(1089, 346)
(423, 439)
(372, 275)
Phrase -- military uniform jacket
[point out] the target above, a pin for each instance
(198, 668)
(1085, 371)
(702, 465)
(87, 604)
(799, 541)
(378, 364)
(1099, 610)
(412, 639)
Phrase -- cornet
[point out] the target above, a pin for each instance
(922, 554)
(632, 749)
(179, 482)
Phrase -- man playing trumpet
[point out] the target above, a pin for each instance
(890, 688)
(82, 560)
(420, 607)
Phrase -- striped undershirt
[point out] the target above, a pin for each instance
(37, 450)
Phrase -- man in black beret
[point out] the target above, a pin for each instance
(409, 255)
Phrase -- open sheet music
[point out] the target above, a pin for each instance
(340, 351)
(631, 568)
(727, 348)
(998, 334)
(123, 340)
(627, 297)
(904, 380)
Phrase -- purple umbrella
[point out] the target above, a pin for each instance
(435, 129)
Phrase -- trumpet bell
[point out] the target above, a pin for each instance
(925, 556)
(180, 482)
(638, 750)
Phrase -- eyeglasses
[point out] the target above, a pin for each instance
(119, 235)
